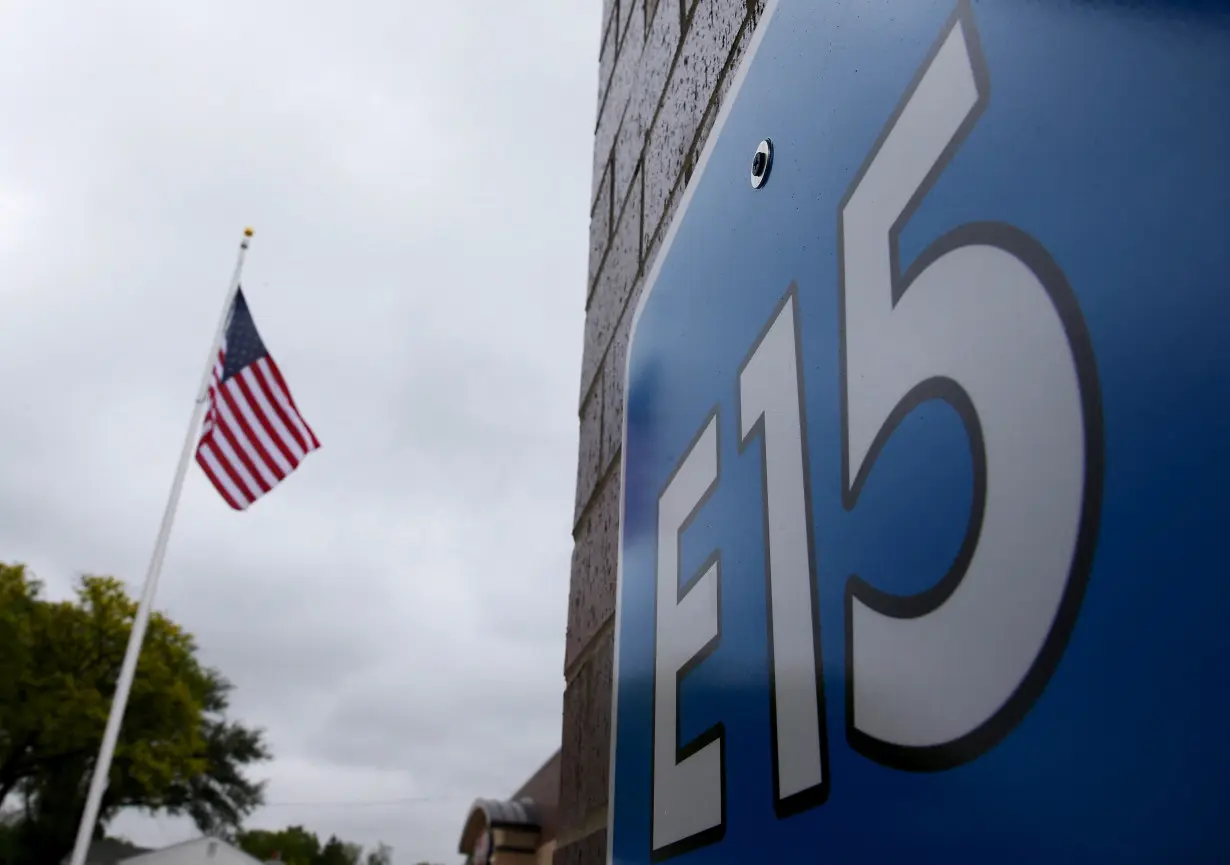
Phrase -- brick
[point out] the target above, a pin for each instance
(652, 242)
(613, 371)
(623, 77)
(627, 84)
(591, 592)
(628, 8)
(619, 94)
(606, 61)
(590, 850)
(589, 466)
(586, 746)
(627, 242)
(661, 46)
(606, 69)
(651, 7)
(611, 290)
(737, 53)
(608, 6)
(702, 134)
(599, 228)
(712, 31)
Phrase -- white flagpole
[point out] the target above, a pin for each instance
(123, 686)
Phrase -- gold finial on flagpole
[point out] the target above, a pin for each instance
(247, 232)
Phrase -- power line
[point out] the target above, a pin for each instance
(348, 803)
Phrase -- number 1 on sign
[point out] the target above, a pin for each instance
(771, 412)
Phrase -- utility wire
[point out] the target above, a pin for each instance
(343, 803)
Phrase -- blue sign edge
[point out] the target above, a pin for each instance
(651, 282)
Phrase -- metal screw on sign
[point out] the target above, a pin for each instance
(762, 163)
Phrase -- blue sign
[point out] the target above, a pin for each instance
(927, 449)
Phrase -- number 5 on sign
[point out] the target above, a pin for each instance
(983, 320)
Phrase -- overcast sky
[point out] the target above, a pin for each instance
(417, 175)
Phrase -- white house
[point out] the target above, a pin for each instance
(202, 851)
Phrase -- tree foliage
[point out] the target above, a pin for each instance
(382, 854)
(59, 663)
(295, 845)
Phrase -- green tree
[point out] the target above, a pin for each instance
(177, 752)
(382, 855)
(293, 845)
(338, 852)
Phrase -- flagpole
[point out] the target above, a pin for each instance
(123, 686)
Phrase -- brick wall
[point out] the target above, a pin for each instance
(663, 68)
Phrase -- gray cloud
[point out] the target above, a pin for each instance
(418, 177)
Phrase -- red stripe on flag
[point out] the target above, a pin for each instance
(209, 473)
(231, 468)
(266, 422)
(273, 370)
(228, 433)
(271, 397)
(228, 395)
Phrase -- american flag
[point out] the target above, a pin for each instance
(253, 435)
